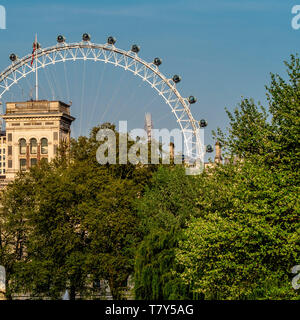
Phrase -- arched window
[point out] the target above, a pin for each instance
(44, 146)
(22, 144)
(33, 146)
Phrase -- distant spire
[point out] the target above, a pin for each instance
(148, 126)
(218, 157)
(172, 152)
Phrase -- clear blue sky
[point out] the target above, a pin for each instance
(224, 49)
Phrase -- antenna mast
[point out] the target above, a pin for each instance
(36, 71)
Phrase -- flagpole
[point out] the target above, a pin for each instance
(36, 71)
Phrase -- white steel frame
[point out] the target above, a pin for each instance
(127, 60)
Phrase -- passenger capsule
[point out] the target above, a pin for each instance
(86, 37)
(13, 57)
(176, 78)
(192, 100)
(111, 40)
(61, 39)
(157, 61)
(135, 48)
(203, 123)
(209, 149)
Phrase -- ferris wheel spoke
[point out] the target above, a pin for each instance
(146, 106)
(49, 83)
(57, 84)
(117, 88)
(99, 88)
(108, 53)
(67, 82)
(82, 95)
(128, 103)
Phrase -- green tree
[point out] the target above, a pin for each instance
(247, 241)
(165, 208)
(13, 226)
(79, 222)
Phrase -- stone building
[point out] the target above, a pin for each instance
(2, 154)
(34, 130)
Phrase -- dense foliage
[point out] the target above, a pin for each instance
(163, 211)
(70, 223)
(241, 238)
(248, 240)
(230, 233)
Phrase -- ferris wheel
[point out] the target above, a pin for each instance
(128, 60)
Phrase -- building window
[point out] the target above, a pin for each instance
(33, 162)
(33, 146)
(4, 171)
(9, 137)
(3, 151)
(9, 150)
(23, 146)
(9, 164)
(4, 158)
(44, 145)
(55, 136)
(4, 165)
(22, 164)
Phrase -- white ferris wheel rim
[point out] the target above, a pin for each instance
(127, 60)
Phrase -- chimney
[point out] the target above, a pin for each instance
(218, 157)
(172, 146)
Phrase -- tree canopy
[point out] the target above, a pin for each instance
(71, 222)
(230, 233)
(239, 237)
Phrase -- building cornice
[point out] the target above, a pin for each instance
(58, 116)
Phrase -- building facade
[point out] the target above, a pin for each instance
(3, 151)
(2, 154)
(34, 131)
